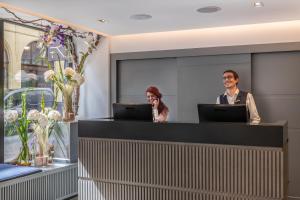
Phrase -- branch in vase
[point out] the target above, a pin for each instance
(67, 30)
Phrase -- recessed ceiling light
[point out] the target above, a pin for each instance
(209, 9)
(102, 20)
(258, 4)
(140, 16)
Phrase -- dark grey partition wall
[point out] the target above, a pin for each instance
(276, 85)
(183, 81)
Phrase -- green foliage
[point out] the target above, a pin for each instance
(43, 102)
(55, 98)
(22, 127)
(82, 61)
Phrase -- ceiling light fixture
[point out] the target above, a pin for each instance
(209, 9)
(140, 17)
(102, 21)
(258, 4)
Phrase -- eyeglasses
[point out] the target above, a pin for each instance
(227, 77)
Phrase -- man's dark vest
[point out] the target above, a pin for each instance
(240, 99)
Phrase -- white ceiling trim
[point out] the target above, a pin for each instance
(267, 33)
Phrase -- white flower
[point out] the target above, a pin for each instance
(49, 75)
(69, 72)
(54, 115)
(11, 116)
(33, 115)
(78, 78)
(37, 129)
(43, 120)
(47, 110)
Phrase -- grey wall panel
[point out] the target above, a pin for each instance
(294, 162)
(279, 107)
(276, 89)
(200, 81)
(276, 73)
(134, 76)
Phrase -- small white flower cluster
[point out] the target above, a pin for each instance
(34, 115)
(54, 115)
(74, 75)
(10, 116)
(68, 72)
(43, 118)
(49, 75)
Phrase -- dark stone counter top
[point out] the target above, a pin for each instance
(266, 134)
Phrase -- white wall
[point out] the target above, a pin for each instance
(94, 93)
(278, 32)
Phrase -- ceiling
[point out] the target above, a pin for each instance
(167, 15)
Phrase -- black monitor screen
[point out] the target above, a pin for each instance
(141, 112)
(222, 113)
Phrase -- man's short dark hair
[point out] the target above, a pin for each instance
(235, 75)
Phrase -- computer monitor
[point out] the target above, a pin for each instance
(140, 112)
(222, 113)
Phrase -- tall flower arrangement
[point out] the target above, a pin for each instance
(56, 35)
(42, 123)
(68, 79)
(65, 80)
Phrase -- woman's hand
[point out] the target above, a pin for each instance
(155, 103)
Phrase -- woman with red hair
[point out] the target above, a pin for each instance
(160, 110)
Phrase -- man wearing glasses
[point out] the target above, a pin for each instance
(233, 95)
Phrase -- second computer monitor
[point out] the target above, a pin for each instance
(222, 113)
(139, 112)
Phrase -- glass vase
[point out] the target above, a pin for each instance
(23, 158)
(68, 113)
(41, 158)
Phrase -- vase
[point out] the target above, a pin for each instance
(23, 158)
(41, 157)
(68, 113)
(50, 153)
(41, 161)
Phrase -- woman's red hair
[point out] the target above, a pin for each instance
(161, 107)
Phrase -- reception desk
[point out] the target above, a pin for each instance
(130, 160)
